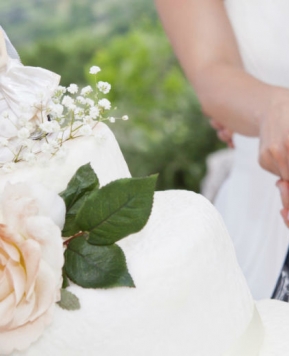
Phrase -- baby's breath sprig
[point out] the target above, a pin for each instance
(71, 113)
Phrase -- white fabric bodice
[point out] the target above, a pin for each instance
(249, 201)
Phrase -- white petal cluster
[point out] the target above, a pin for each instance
(50, 126)
(94, 112)
(89, 102)
(81, 99)
(23, 133)
(104, 87)
(104, 103)
(94, 70)
(86, 90)
(72, 89)
(71, 112)
(68, 102)
(85, 130)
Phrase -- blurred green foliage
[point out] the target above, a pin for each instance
(166, 133)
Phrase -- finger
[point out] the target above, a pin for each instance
(279, 156)
(224, 135)
(216, 125)
(267, 162)
(284, 214)
(283, 187)
(231, 144)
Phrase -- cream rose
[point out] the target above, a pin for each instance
(31, 260)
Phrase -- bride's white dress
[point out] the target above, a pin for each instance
(249, 200)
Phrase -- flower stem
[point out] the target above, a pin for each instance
(67, 241)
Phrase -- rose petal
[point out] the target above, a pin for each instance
(45, 290)
(49, 237)
(7, 244)
(7, 309)
(31, 253)
(22, 200)
(16, 277)
(22, 337)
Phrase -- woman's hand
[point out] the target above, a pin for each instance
(223, 133)
(274, 136)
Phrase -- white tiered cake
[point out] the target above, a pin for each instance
(182, 263)
(190, 296)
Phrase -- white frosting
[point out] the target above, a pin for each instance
(190, 297)
(101, 150)
(189, 290)
(188, 285)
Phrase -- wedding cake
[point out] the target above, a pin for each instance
(190, 297)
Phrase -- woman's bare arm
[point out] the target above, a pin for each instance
(204, 43)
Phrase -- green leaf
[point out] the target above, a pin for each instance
(81, 184)
(71, 227)
(65, 281)
(92, 266)
(117, 210)
(68, 300)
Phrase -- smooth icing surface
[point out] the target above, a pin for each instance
(188, 289)
(190, 297)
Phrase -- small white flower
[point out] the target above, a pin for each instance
(46, 127)
(30, 126)
(89, 102)
(46, 148)
(56, 110)
(61, 153)
(78, 112)
(81, 100)
(9, 167)
(30, 157)
(104, 87)
(105, 104)
(85, 130)
(73, 88)
(5, 115)
(94, 70)
(60, 90)
(86, 90)
(67, 101)
(49, 147)
(111, 119)
(94, 112)
(125, 117)
(50, 126)
(55, 126)
(23, 133)
(88, 120)
(100, 136)
(4, 142)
